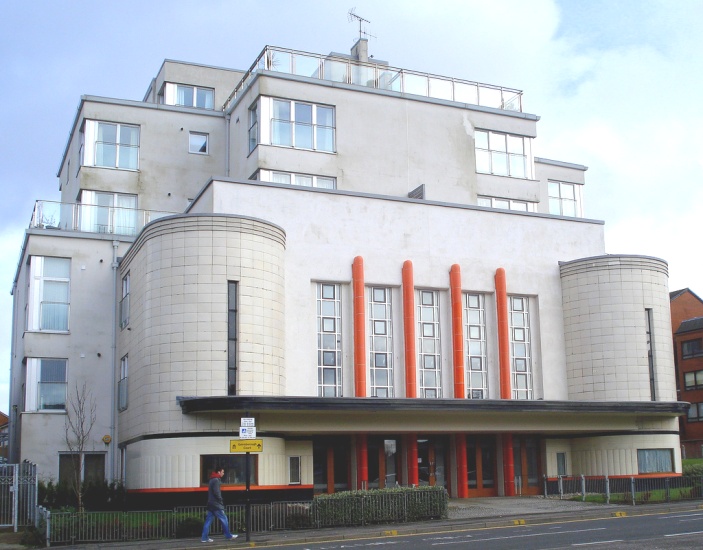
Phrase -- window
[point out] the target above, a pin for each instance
(520, 353)
(475, 335)
(101, 212)
(294, 477)
(502, 154)
(651, 461)
(293, 124)
(564, 199)
(506, 204)
(122, 400)
(111, 145)
(695, 413)
(232, 338)
(561, 464)
(329, 340)
(693, 380)
(91, 468)
(189, 96)
(304, 180)
(124, 302)
(46, 384)
(253, 127)
(49, 294)
(692, 348)
(380, 342)
(198, 143)
(429, 359)
(234, 466)
(649, 334)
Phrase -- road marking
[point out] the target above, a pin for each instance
(682, 516)
(524, 535)
(598, 542)
(684, 534)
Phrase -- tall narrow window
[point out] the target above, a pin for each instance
(294, 470)
(650, 352)
(232, 331)
(124, 302)
(253, 127)
(429, 359)
(122, 400)
(329, 340)
(520, 352)
(380, 342)
(475, 335)
(49, 294)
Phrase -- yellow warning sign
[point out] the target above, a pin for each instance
(246, 445)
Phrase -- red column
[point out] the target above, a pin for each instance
(503, 334)
(462, 472)
(508, 465)
(362, 462)
(359, 327)
(413, 473)
(409, 333)
(457, 331)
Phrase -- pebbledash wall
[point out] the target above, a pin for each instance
(176, 341)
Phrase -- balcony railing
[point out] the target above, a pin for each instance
(91, 218)
(378, 76)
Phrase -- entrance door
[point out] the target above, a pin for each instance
(526, 457)
(432, 461)
(384, 462)
(481, 466)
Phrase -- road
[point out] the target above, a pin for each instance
(681, 531)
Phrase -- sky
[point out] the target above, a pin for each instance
(615, 82)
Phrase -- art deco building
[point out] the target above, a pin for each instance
(369, 261)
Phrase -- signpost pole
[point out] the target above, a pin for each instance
(247, 471)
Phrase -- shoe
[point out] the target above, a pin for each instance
(232, 537)
(207, 540)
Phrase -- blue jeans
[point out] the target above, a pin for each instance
(219, 514)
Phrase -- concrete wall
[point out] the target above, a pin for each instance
(604, 322)
(176, 339)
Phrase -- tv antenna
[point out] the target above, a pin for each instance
(351, 16)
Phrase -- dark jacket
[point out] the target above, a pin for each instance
(214, 494)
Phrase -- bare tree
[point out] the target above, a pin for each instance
(80, 418)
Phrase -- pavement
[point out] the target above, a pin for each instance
(474, 513)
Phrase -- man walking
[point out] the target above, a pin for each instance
(215, 507)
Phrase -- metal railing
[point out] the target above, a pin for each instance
(18, 494)
(378, 76)
(624, 490)
(88, 527)
(90, 218)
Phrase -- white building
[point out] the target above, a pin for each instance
(368, 261)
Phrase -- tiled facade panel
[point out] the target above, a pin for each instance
(177, 336)
(617, 455)
(605, 299)
(173, 463)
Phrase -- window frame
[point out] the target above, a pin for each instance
(213, 462)
(502, 145)
(125, 301)
(34, 381)
(517, 372)
(198, 150)
(429, 346)
(512, 203)
(270, 175)
(557, 201)
(232, 336)
(696, 345)
(171, 93)
(122, 384)
(37, 282)
(647, 455)
(289, 131)
(82, 465)
(91, 141)
(380, 343)
(476, 347)
(295, 466)
(329, 340)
